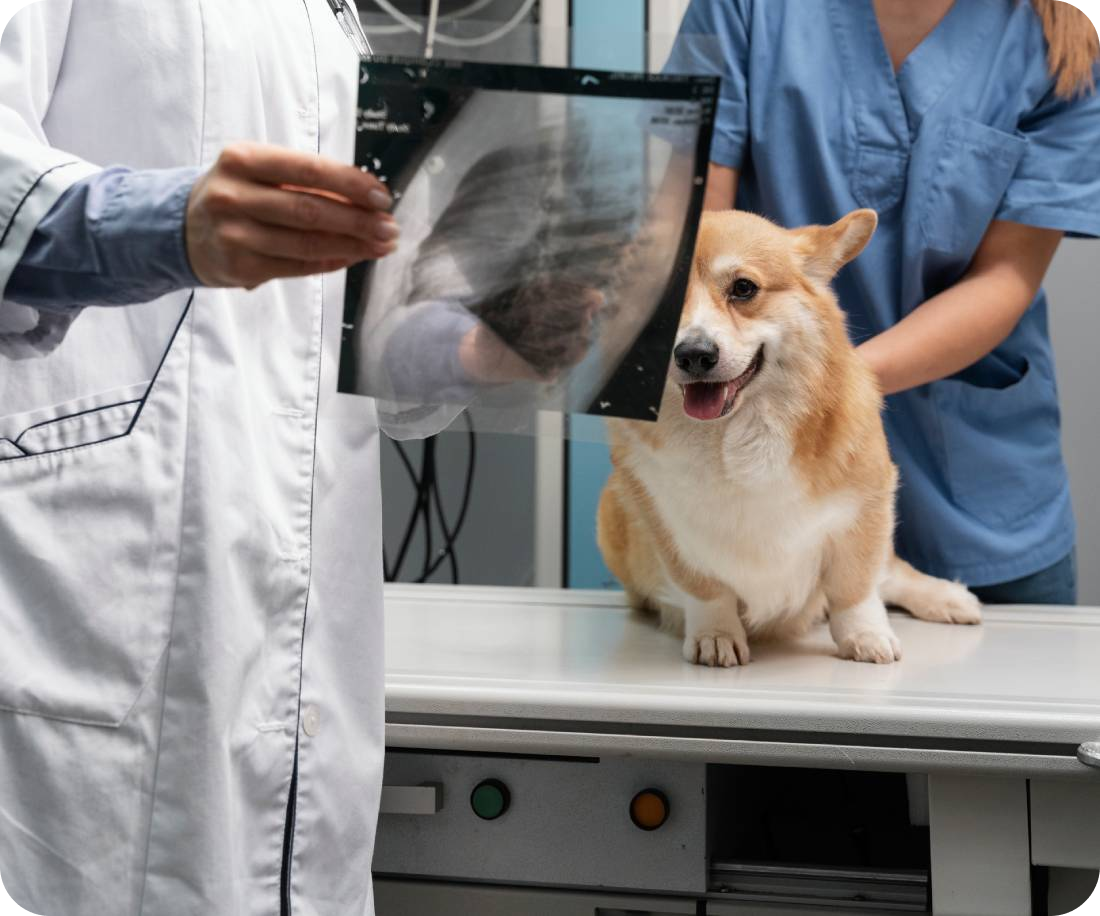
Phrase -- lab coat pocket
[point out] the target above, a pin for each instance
(90, 516)
(1001, 446)
(970, 176)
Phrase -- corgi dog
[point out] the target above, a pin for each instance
(763, 496)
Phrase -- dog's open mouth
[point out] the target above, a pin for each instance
(711, 400)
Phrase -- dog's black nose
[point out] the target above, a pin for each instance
(696, 356)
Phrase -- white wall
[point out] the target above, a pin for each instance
(1073, 286)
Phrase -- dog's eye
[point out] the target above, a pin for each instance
(743, 289)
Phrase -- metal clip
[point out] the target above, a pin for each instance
(1089, 754)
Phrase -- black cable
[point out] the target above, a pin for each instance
(448, 532)
(449, 553)
(427, 483)
(469, 485)
(410, 529)
(428, 497)
(451, 535)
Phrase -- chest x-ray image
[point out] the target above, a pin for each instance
(547, 222)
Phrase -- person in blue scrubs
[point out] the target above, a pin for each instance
(946, 118)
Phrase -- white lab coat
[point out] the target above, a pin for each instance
(186, 598)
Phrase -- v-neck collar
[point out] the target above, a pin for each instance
(928, 40)
(933, 65)
(897, 101)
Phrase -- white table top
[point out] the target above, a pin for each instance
(471, 655)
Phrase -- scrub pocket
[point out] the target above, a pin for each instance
(1002, 446)
(878, 176)
(90, 510)
(972, 171)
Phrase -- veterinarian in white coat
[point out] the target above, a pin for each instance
(191, 703)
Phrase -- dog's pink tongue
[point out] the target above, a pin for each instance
(704, 400)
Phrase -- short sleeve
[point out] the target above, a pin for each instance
(714, 41)
(1057, 183)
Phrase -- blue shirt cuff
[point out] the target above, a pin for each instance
(114, 238)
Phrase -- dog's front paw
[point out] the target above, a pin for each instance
(879, 646)
(717, 649)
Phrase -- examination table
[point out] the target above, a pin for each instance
(550, 753)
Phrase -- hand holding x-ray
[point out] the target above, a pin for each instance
(547, 221)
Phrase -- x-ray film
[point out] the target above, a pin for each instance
(547, 223)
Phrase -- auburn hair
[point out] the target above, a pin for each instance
(1072, 47)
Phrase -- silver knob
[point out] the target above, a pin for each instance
(1089, 754)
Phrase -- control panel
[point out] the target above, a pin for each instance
(616, 823)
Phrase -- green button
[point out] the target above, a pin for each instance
(490, 799)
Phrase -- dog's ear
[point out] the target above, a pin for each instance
(826, 249)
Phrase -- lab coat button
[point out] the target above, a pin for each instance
(311, 721)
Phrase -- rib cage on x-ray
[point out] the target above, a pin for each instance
(552, 208)
(533, 229)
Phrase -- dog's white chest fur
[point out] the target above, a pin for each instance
(741, 515)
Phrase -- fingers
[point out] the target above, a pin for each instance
(302, 245)
(293, 209)
(278, 166)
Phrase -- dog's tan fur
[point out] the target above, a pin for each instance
(756, 523)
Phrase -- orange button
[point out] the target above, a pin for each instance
(649, 809)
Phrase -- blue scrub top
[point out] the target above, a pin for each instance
(968, 131)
